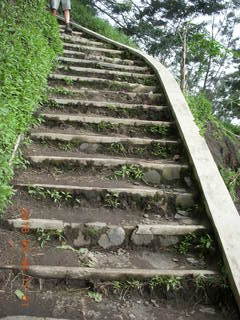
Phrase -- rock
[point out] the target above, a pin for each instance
(208, 310)
(146, 215)
(132, 316)
(188, 181)
(185, 201)
(175, 260)
(114, 237)
(168, 241)
(142, 236)
(152, 176)
(89, 147)
(96, 225)
(80, 241)
(193, 261)
(171, 173)
(183, 213)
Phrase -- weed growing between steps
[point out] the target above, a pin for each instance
(29, 45)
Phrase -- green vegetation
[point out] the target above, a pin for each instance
(30, 42)
(232, 181)
(44, 236)
(111, 200)
(166, 282)
(193, 241)
(96, 296)
(55, 195)
(85, 16)
(132, 172)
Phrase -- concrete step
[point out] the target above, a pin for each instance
(92, 56)
(109, 74)
(78, 234)
(102, 83)
(82, 40)
(97, 120)
(99, 64)
(104, 125)
(111, 97)
(99, 139)
(92, 49)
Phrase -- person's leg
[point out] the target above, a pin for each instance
(66, 6)
(54, 5)
(67, 16)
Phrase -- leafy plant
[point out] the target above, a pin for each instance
(111, 200)
(159, 150)
(157, 129)
(132, 171)
(44, 236)
(168, 282)
(96, 296)
(55, 195)
(117, 147)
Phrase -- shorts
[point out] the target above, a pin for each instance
(66, 4)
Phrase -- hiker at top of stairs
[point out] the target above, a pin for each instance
(66, 6)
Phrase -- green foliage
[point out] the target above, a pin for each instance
(159, 150)
(118, 148)
(131, 171)
(44, 236)
(166, 282)
(85, 16)
(192, 241)
(201, 109)
(111, 200)
(232, 181)
(55, 195)
(157, 129)
(30, 42)
(96, 296)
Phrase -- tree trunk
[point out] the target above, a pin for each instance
(183, 68)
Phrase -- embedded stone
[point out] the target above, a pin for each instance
(80, 241)
(168, 241)
(152, 176)
(142, 237)
(185, 201)
(112, 238)
(171, 173)
(88, 147)
(96, 225)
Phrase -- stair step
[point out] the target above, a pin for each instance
(100, 64)
(154, 229)
(81, 40)
(98, 82)
(99, 139)
(110, 274)
(107, 162)
(99, 104)
(101, 58)
(104, 97)
(97, 120)
(105, 72)
(78, 47)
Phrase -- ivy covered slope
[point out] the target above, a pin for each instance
(223, 139)
(30, 42)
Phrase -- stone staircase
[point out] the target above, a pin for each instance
(110, 200)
